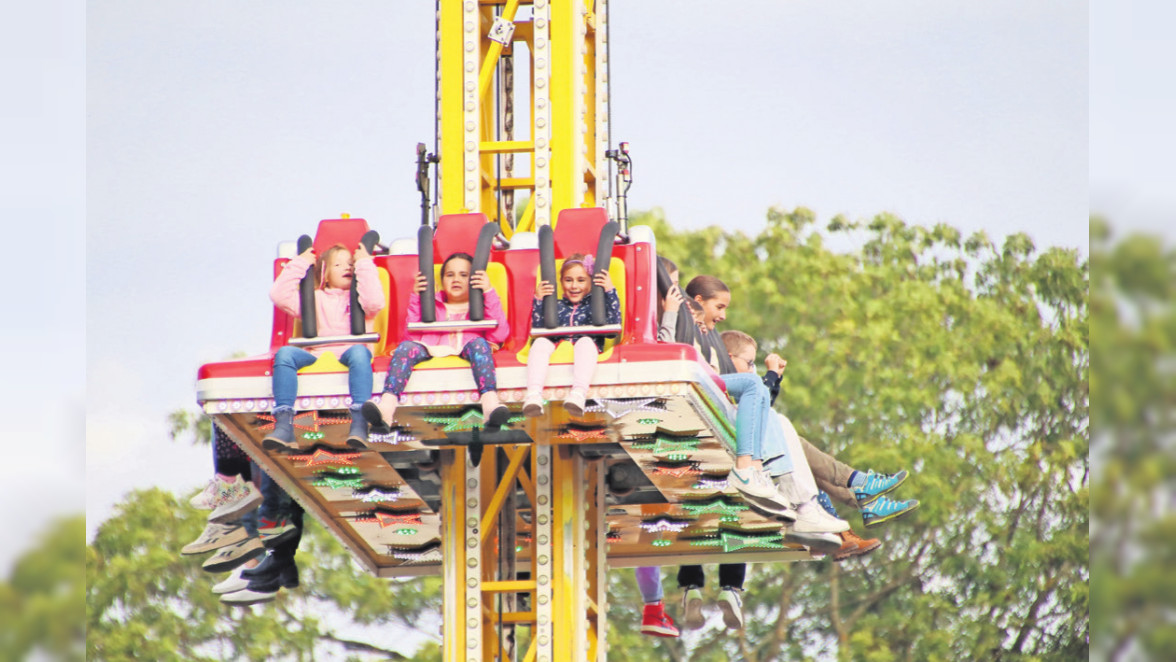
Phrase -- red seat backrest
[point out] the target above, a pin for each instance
(456, 233)
(578, 231)
(346, 231)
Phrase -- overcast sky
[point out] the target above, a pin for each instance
(157, 151)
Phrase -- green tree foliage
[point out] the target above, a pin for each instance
(1133, 532)
(908, 347)
(41, 603)
(146, 602)
(962, 361)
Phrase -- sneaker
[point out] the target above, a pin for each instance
(884, 509)
(732, 607)
(275, 532)
(760, 494)
(231, 556)
(812, 518)
(533, 405)
(817, 543)
(215, 536)
(273, 568)
(217, 492)
(575, 403)
(855, 545)
(251, 596)
(876, 485)
(242, 500)
(233, 583)
(692, 609)
(657, 622)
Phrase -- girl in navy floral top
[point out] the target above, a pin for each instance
(573, 309)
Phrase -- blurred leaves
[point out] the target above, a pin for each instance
(1133, 381)
(41, 603)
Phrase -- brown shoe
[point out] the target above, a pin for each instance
(854, 545)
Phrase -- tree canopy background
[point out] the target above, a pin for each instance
(960, 360)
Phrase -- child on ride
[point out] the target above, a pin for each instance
(333, 273)
(573, 309)
(452, 303)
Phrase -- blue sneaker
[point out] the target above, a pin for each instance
(884, 509)
(877, 485)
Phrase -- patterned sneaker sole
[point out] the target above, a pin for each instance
(235, 536)
(875, 521)
(869, 498)
(659, 631)
(245, 597)
(231, 512)
(229, 559)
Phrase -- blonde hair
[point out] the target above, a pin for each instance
(737, 341)
(320, 264)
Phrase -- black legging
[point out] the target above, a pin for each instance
(731, 575)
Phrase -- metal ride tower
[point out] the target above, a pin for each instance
(523, 522)
(550, 57)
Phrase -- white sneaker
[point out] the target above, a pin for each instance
(533, 405)
(760, 494)
(732, 608)
(812, 518)
(233, 583)
(575, 403)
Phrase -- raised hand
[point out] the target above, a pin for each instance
(674, 299)
(602, 279)
(775, 363)
(480, 280)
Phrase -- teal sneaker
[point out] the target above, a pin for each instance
(877, 485)
(884, 509)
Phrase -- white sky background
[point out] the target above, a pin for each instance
(158, 162)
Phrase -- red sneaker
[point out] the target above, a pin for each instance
(657, 622)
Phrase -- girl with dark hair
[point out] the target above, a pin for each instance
(452, 303)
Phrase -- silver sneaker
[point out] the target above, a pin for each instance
(760, 494)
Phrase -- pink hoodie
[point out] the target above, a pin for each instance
(332, 305)
(493, 311)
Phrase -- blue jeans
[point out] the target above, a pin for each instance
(289, 360)
(757, 432)
(275, 505)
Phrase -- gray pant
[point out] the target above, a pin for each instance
(831, 475)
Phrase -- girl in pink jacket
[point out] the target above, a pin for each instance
(333, 273)
(476, 346)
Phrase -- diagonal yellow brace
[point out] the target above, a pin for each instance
(508, 479)
(492, 54)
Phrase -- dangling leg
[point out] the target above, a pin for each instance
(381, 415)
(537, 361)
(287, 362)
(481, 358)
(583, 367)
(358, 359)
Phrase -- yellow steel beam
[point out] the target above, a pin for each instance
(452, 107)
(509, 586)
(453, 552)
(505, 485)
(506, 146)
(492, 54)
